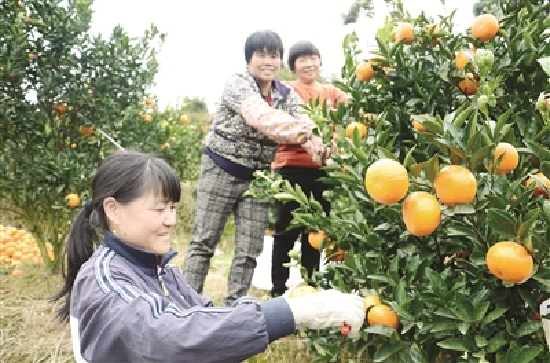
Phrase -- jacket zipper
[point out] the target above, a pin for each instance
(161, 281)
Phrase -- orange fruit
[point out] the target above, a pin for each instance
(381, 314)
(509, 261)
(364, 71)
(302, 290)
(461, 59)
(17, 273)
(469, 84)
(148, 117)
(509, 161)
(363, 130)
(387, 181)
(454, 184)
(184, 119)
(73, 200)
(421, 213)
(60, 108)
(485, 27)
(149, 101)
(538, 187)
(371, 300)
(165, 146)
(86, 131)
(73, 145)
(315, 239)
(404, 31)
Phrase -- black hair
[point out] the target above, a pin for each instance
(261, 40)
(301, 48)
(124, 176)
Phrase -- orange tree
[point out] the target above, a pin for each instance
(61, 91)
(459, 249)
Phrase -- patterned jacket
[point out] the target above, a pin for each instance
(246, 130)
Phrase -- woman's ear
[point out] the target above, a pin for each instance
(110, 206)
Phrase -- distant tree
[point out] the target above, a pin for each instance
(366, 7)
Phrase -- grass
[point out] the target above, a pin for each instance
(29, 332)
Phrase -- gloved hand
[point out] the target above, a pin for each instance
(318, 151)
(328, 308)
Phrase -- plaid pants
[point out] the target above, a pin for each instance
(219, 194)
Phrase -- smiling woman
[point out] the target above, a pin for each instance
(126, 303)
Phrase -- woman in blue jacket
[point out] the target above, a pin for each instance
(126, 302)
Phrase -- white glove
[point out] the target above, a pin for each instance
(545, 310)
(318, 151)
(328, 308)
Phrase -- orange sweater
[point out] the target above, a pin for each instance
(295, 155)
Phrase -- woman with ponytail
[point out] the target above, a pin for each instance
(126, 303)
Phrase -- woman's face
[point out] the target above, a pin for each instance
(144, 223)
(265, 65)
(307, 68)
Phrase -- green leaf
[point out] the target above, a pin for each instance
(480, 310)
(494, 315)
(456, 344)
(481, 341)
(526, 354)
(525, 227)
(477, 158)
(384, 153)
(416, 169)
(382, 278)
(385, 352)
(502, 223)
(416, 354)
(496, 342)
(502, 121)
(431, 168)
(542, 152)
(528, 328)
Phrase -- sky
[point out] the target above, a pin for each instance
(205, 38)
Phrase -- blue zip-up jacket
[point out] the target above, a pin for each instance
(128, 305)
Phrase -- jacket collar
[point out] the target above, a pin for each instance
(144, 260)
(281, 89)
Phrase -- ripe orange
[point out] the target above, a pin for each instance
(404, 31)
(73, 200)
(485, 27)
(148, 117)
(509, 161)
(302, 290)
(364, 71)
(469, 84)
(60, 108)
(149, 101)
(509, 261)
(73, 145)
(371, 300)
(454, 184)
(461, 59)
(315, 239)
(381, 314)
(165, 146)
(86, 131)
(421, 213)
(184, 119)
(538, 187)
(363, 130)
(387, 181)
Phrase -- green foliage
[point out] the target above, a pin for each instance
(451, 308)
(60, 88)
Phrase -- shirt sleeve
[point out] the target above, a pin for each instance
(282, 127)
(116, 322)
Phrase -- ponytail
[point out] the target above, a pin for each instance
(81, 244)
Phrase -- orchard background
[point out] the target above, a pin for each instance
(450, 307)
